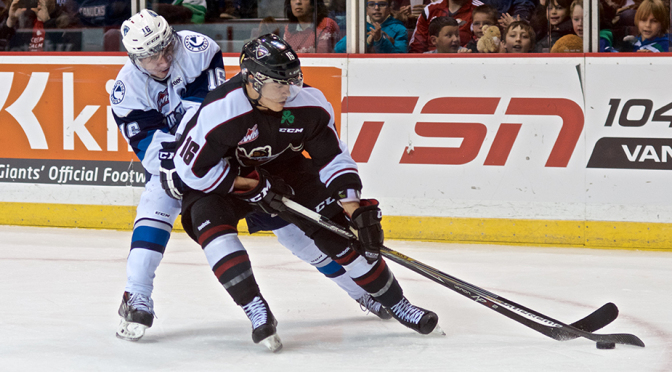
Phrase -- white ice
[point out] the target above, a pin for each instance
(61, 289)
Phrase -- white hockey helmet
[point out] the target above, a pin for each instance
(146, 34)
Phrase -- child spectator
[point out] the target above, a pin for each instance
(483, 15)
(444, 35)
(557, 14)
(518, 37)
(652, 21)
(301, 32)
(385, 34)
(460, 10)
(576, 11)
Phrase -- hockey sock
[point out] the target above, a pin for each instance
(378, 280)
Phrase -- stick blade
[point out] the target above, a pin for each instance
(598, 318)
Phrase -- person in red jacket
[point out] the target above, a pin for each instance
(460, 10)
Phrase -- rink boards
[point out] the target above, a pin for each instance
(569, 149)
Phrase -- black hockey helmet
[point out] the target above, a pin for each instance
(269, 58)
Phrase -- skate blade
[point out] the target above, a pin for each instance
(438, 331)
(130, 331)
(272, 342)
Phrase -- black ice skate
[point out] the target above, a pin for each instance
(416, 318)
(368, 303)
(263, 324)
(137, 314)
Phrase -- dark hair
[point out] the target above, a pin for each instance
(438, 23)
(526, 27)
(322, 11)
(487, 10)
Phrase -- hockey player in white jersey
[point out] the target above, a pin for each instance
(164, 82)
(244, 150)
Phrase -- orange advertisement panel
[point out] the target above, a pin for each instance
(58, 127)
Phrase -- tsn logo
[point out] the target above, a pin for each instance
(472, 134)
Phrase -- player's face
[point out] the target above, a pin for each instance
(577, 20)
(556, 13)
(649, 27)
(377, 10)
(480, 20)
(448, 40)
(158, 65)
(518, 41)
(275, 95)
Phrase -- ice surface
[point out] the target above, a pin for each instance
(61, 289)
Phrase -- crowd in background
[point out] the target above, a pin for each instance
(392, 26)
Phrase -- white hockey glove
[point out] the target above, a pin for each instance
(366, 221)
(170, 181)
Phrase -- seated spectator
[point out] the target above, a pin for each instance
(385, 34)
(181, 11)
(652, 20)
(511, 10)
(408, 11)
(557, 15)
(519, 37)
(301, 32)
(444, 35)
(576, 11)
(103, 13)
(460, 10)
(337, 12)
(483, 15)
(47, 14)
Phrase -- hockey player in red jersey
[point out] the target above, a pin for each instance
(244, 149)
(162, 85)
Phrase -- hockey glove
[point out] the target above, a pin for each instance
(268, 193)
(170, 181)
(365, 220)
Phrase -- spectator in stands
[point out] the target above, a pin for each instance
(559, 21)
(337, 12)
(301, 32)
(576, 11)
(511, 10)
(103, 13)
(519, 37)
(47, 14)
(483, 15)
(385, 34)
(652, 20)
(181, 11)
(460, 10)
(444, 35)
(408, 11)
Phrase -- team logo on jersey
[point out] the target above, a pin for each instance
(118, 92)
(162, 100)
(287, 117)
(196, 43)
(176, 81)
(251, 135)
(261, 155)
(262, 52)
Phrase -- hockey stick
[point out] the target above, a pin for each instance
(523, 315)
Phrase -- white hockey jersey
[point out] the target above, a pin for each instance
(148, 112)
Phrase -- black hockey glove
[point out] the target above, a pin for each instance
(170, 181)
(268, 193)
(366, 221)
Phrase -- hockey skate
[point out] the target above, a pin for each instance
(137, 314)
(263, 324)
(416, 318)
(368, 303)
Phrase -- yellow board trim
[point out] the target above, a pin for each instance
(593, 234)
